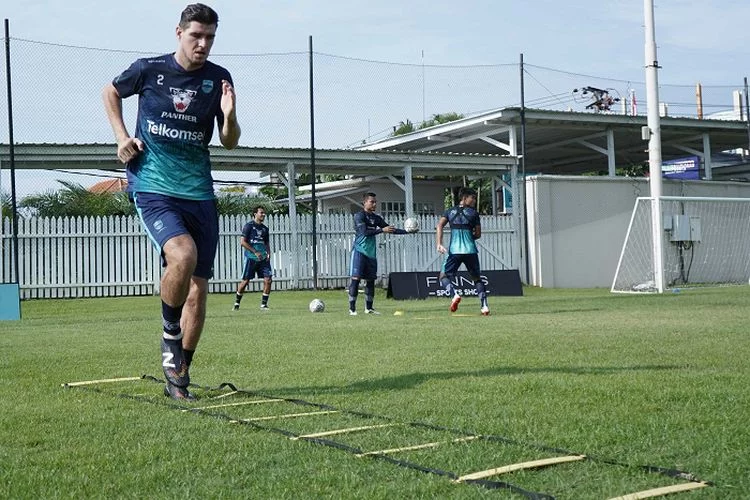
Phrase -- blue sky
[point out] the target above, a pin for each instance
(703, 42)
(706, 41)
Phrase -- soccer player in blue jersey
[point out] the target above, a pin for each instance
(465, 230)
(256, 257)
(180, 97)
(364, 263)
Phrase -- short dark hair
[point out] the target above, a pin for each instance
(259, 207)
(465, 192)
(369, 194)
(199, 13)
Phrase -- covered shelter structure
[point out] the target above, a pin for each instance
(401, 167)
(566, 142)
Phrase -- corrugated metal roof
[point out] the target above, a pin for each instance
(568, 142)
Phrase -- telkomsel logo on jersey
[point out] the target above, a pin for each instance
(164, 130)
(181, 99)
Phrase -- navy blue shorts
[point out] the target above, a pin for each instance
(454, 261)
(363, 267)
(165, 217)
(259, 268)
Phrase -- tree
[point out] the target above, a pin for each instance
(483, 187)
(76, 201)
(6, 204)
(439, 119)
(407, 127)
(403, 128)
(241, 204)
(634, 170)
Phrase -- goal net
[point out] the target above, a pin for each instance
(704, 242)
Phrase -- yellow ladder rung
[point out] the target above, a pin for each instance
(100, 381)
(288, 415)
(533, 464)
(418, 446)
(241, 403)
(344, 431)
(230, 393)
(657, 492)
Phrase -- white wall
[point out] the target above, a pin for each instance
(577, 225)
(423, 192)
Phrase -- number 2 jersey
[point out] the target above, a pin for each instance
(177, 110)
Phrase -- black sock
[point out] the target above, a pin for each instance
(188, 355)
(264, 299)
(237, 298)
(171, 318)
(369, 293)
(353, 291)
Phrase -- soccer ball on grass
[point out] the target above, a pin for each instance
(411, 225)
(317, 306)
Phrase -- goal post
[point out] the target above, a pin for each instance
(704, 242)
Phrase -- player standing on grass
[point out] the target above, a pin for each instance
(364, 263)
(257, 257)
(465, 230)
(169, 174)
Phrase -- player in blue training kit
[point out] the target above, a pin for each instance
(256, 257)
(364, 263)
(465, 230)
(180, 95)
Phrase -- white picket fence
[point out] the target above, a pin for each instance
(112, 256)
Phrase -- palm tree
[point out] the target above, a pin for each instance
(76, 201)
(229, 203)
(403, 128)
(438, 119)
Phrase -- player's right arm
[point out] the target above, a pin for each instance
(127, 147)
(439, 234)
(387, 228)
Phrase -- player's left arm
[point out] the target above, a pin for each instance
(229, 130)
(477, 229)
(267, 243)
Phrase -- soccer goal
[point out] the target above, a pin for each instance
(702, 242)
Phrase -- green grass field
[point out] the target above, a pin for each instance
(637, 380)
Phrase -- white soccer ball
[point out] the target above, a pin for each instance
(317, 306)
(411, 225)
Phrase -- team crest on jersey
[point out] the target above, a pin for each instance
(181, 98)
(208, 86)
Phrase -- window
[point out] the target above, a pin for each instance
(398, 208)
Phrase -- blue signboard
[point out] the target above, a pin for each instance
(682, 168)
